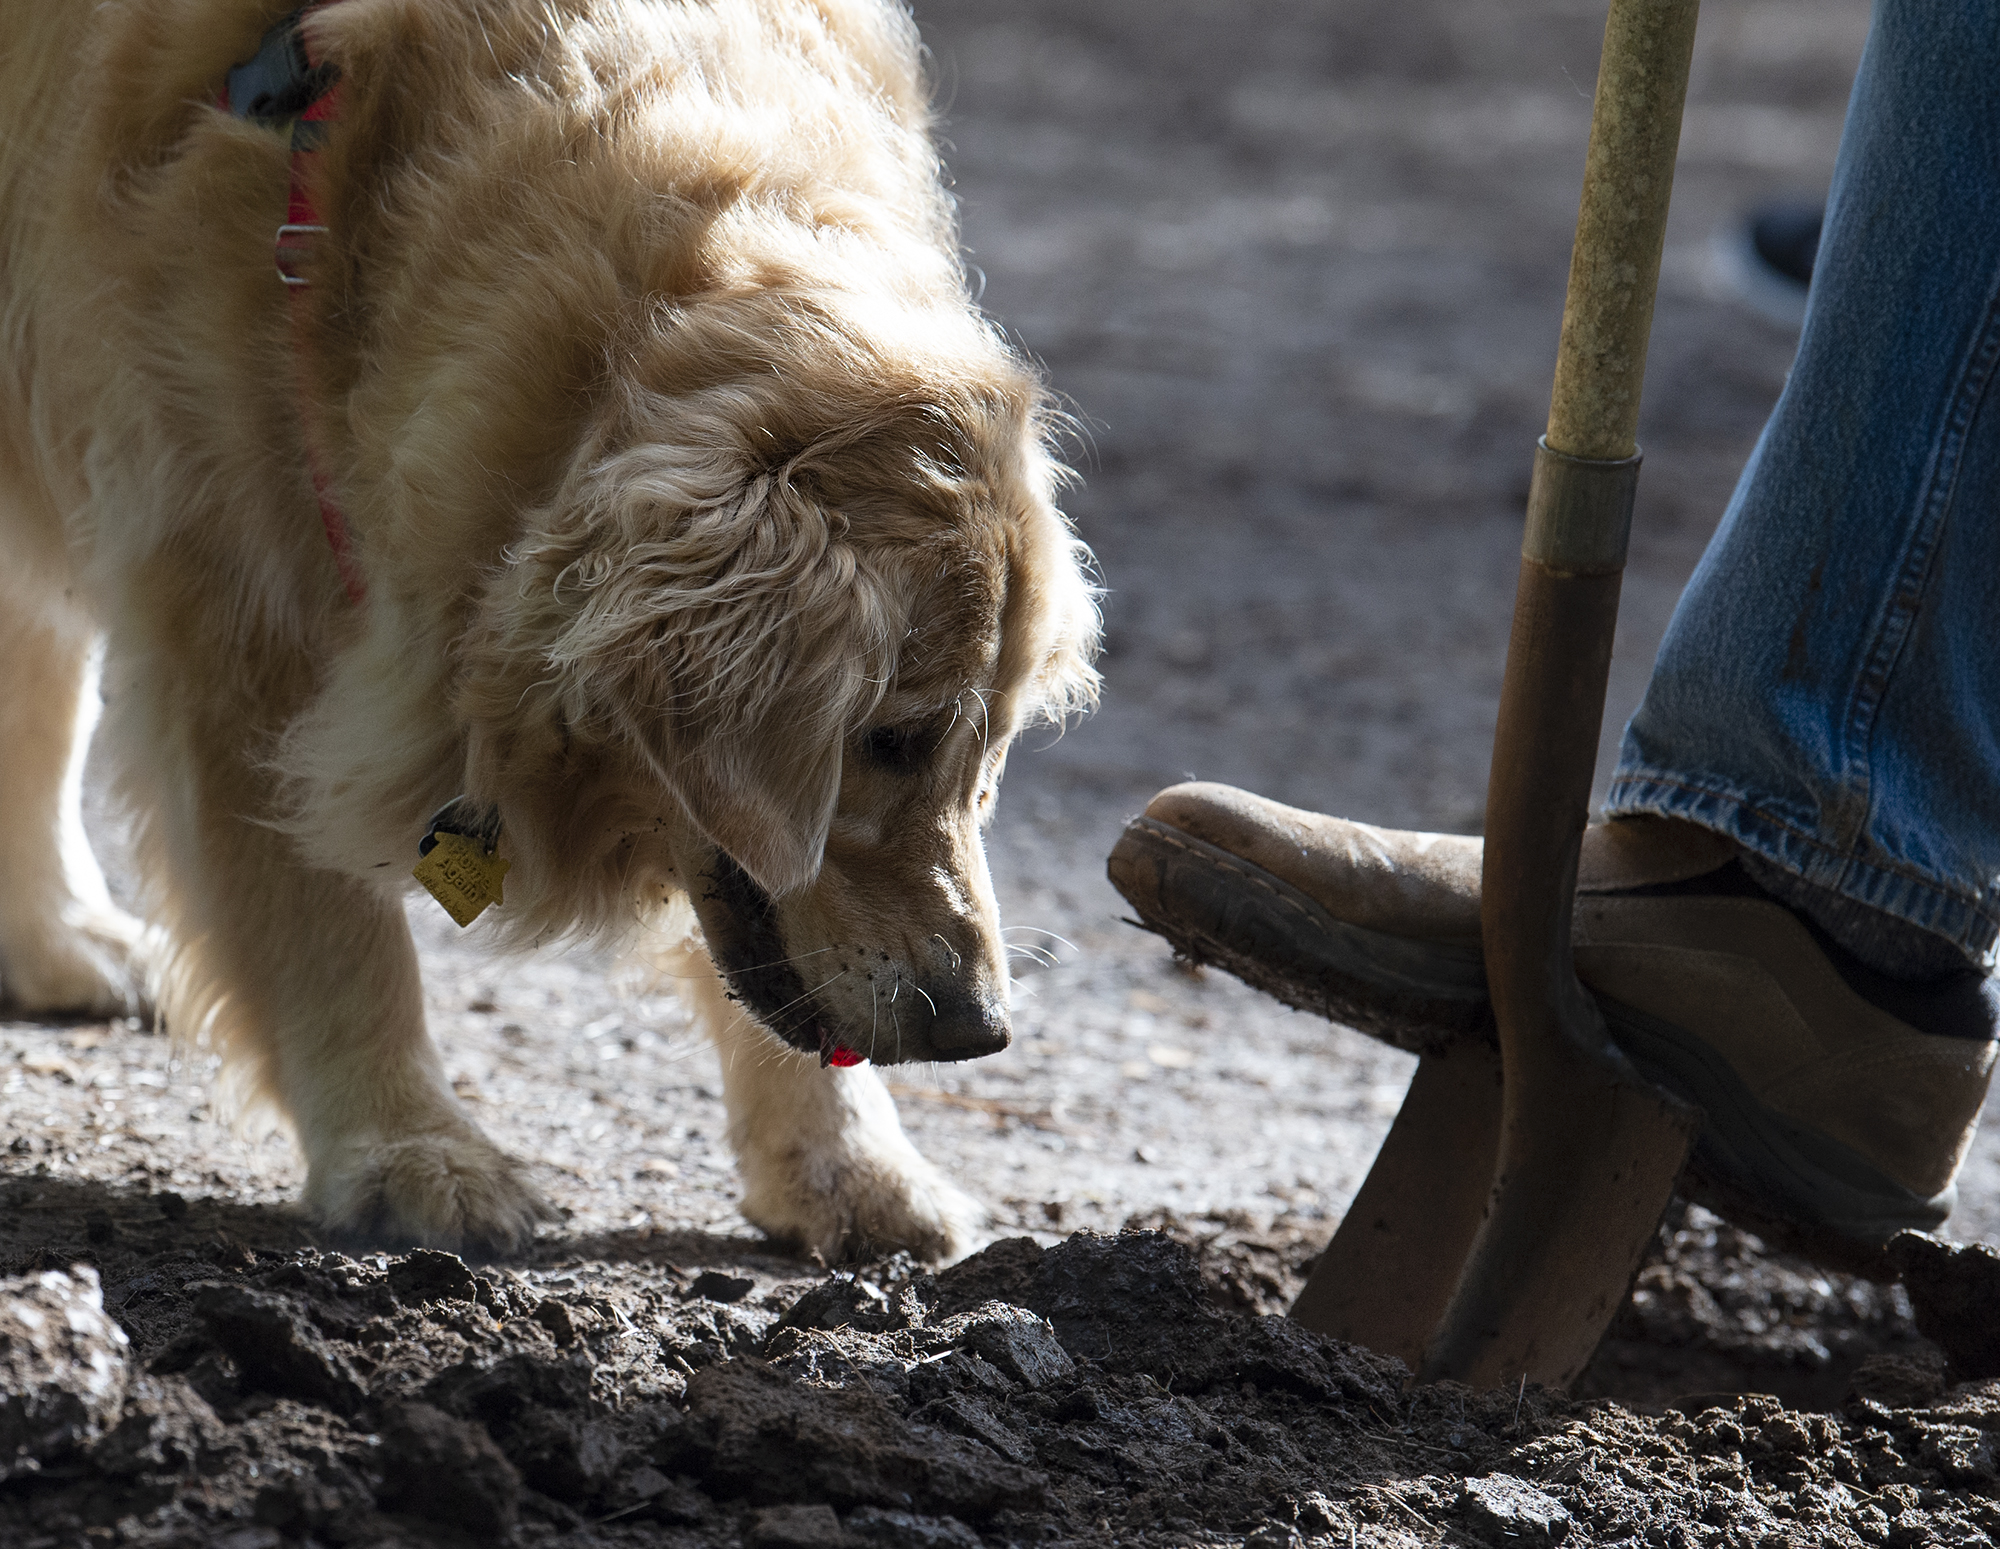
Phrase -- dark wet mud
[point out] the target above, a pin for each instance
(240, 1385)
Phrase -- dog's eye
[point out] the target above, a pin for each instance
(900, 748)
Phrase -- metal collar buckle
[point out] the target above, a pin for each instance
(290, 248)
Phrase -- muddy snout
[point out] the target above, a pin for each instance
(896, 1008)
(943, 997)
(966, 1032)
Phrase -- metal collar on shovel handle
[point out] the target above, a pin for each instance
(1503, 1219)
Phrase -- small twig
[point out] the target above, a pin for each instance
(600, 1521)
(1404, 1505)
(1519, 1396)
(997, 1106)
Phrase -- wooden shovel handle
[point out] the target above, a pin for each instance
(1635, 130)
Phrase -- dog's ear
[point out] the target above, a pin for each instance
(765, 798)
(723, 629)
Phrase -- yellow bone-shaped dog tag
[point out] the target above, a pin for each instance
(463, 875)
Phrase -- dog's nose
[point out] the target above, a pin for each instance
(965, 1027)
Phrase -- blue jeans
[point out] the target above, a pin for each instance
(1828, 692)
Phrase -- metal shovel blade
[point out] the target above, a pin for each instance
(1388, 1275)
(1589, 1162)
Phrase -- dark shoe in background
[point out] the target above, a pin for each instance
(1766, 261)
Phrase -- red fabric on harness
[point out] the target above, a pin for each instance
(300, 212)
(289, 249)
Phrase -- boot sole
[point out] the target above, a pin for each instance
(1764, 1171)
(1216, 908)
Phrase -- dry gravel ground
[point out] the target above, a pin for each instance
(1298, 269)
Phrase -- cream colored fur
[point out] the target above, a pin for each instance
(707, 529)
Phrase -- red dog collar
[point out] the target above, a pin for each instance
(283, 87)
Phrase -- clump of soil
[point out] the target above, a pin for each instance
(257, 1391)
(1713, 1310)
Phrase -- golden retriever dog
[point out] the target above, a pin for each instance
(630, 471)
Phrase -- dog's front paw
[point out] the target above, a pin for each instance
(449, 1188)
(857, 1206)
(855, 1187)
(83, 961)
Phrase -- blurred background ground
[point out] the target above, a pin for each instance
(1297, 269)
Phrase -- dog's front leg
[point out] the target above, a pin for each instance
(325, 1007)
(825, 1163)
(307, 981)
(390, 1153)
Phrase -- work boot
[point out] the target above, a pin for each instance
(1839, 1099)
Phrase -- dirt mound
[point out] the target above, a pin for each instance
(1108, 1387)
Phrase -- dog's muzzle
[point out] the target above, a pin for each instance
(909, 1018)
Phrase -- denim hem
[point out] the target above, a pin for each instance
(1972, 923)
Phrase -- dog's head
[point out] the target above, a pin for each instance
(769, 646)
(710, 529)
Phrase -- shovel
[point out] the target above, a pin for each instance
(1503, 1220)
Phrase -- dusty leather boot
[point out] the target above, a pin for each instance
(1839, 1100)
